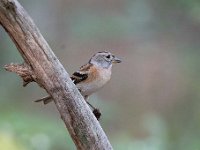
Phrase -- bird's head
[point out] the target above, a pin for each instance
(104, 59)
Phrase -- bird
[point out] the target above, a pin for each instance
(92, 76)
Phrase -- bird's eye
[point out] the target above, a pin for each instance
(108, 56)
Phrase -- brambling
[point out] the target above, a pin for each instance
(92, 76)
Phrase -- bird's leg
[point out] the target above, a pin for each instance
(91, 105)
(96, 111)
(86, 99)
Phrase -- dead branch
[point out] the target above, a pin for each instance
(43, 67)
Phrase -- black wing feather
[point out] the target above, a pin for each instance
(78, 77)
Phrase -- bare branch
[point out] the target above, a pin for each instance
(23, 70)
(45, 69)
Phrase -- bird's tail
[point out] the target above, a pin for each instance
(45, 100)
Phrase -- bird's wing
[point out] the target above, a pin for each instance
(82, 74)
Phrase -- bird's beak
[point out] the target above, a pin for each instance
(116, 60)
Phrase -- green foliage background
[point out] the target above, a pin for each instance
(152, 101)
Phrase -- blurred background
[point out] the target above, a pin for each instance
(153, 99)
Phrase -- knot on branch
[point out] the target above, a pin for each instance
(23, 70)
(97, 113)
(9, 4)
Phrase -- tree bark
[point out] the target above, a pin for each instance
(42, 66)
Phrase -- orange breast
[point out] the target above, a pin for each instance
(97, 78)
